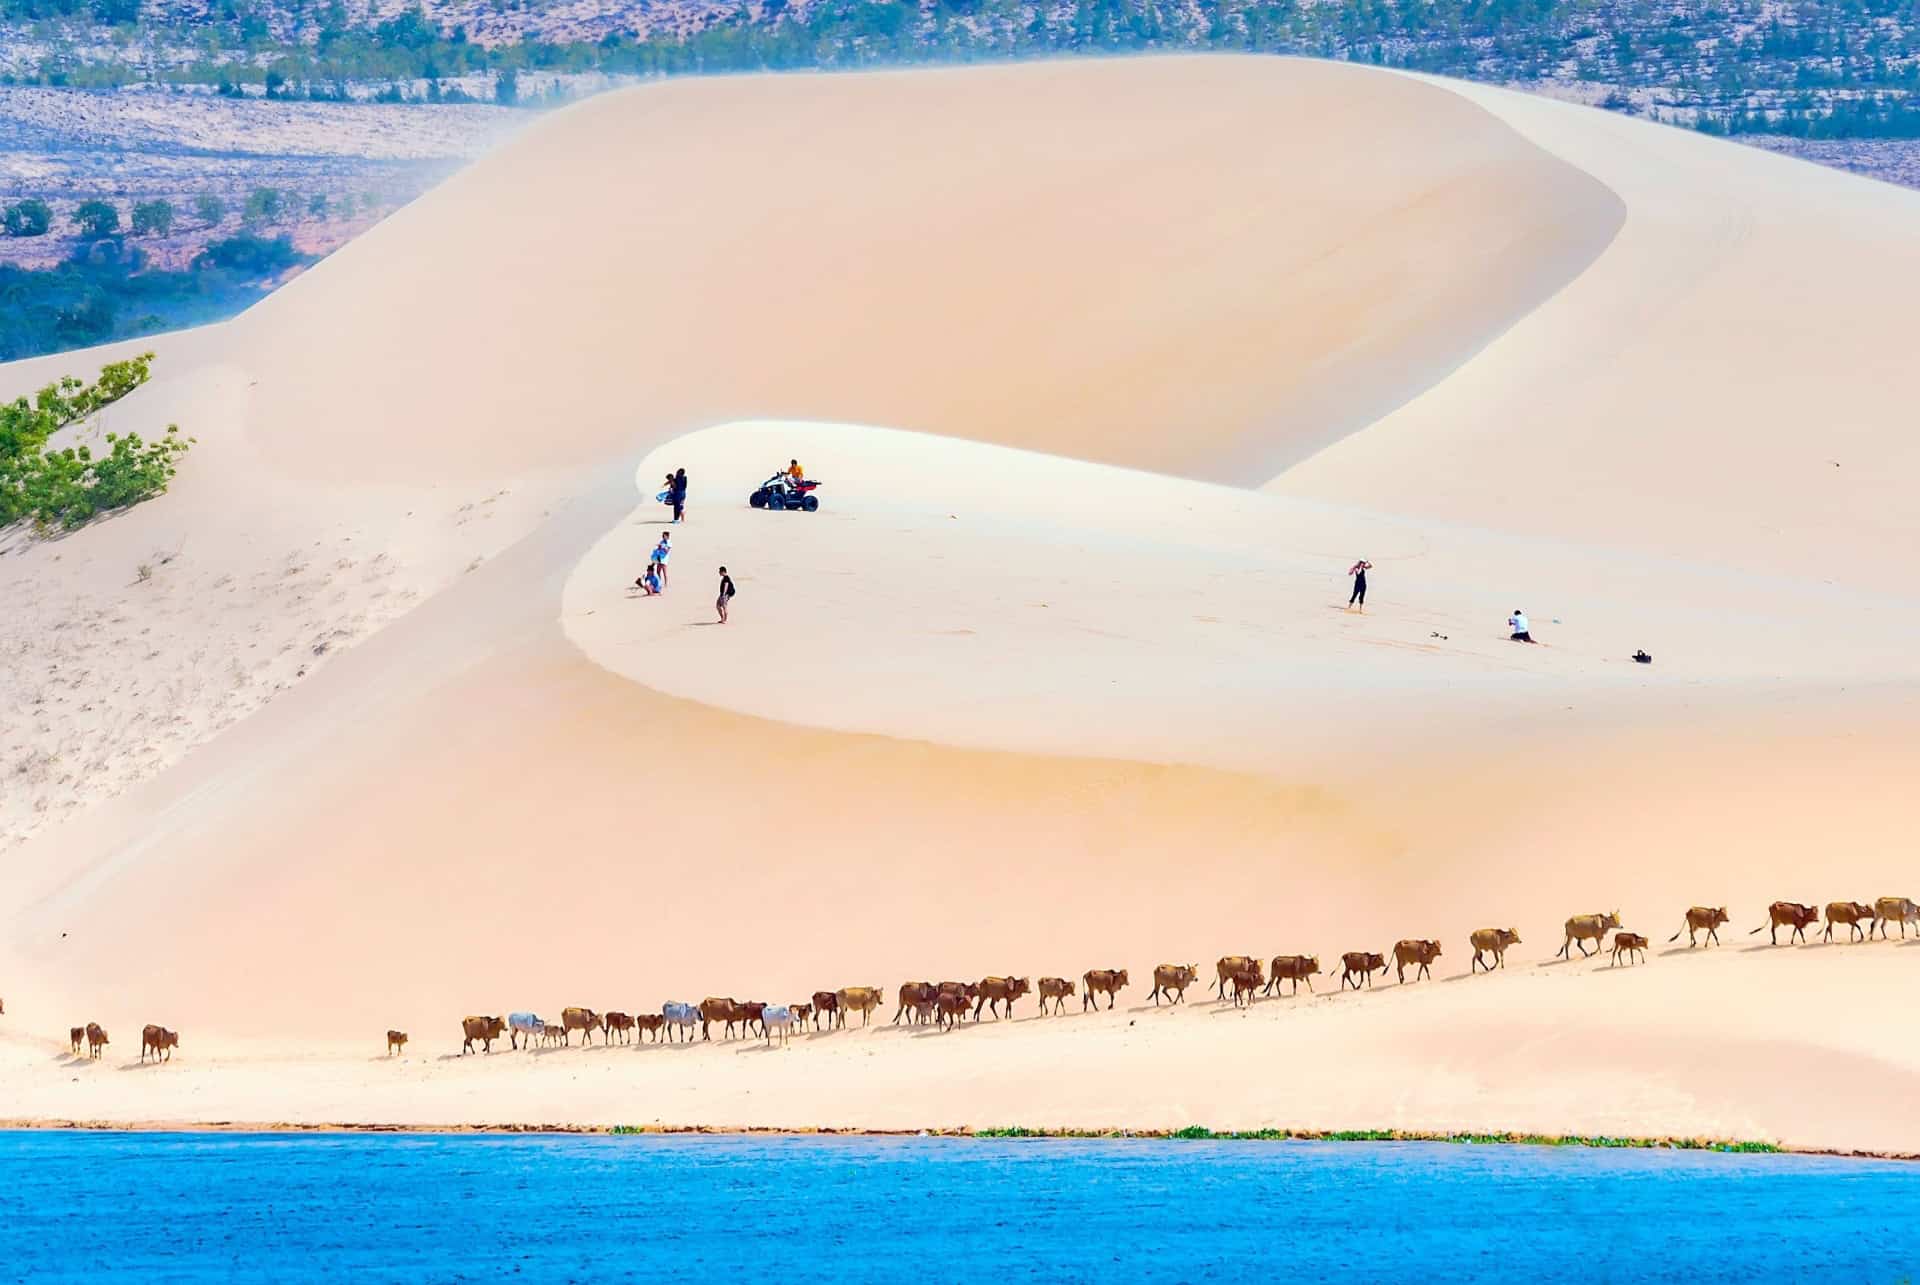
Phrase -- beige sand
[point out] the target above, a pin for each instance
(990, 711)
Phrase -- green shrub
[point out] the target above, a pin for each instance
(96, 218)
(152, 218)
(64, 488)
(209, 209)
(31, 217)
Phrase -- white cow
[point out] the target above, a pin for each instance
(777, 1019)
(527, 1024)
(683, 1017)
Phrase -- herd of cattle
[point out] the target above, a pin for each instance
(1237, 978)
(946, 1004)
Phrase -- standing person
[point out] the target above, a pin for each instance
(726, 594)
(661, 552)
(677, 492)
(1359, 573)
(1518, 623)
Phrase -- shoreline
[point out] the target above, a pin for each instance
(1724, 1146)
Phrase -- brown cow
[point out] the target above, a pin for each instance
(826, 1008)
(1360, 963)
(96, 1039)
(953, 1007)
(916, 1001)
(992, 990)
(1057, 989)
(619, 1024)
(1888, 909)
(1582, 929)
(552, 1033)
(484, 1029)
(75, 1034)
(1414, 950)
(1852, 914)
(583, 1020)
(1101, 981)
(1246, 981)
(1172, 981)
(1492, 941)
(1629, 943)
(717, 1009)
(1790, 914)
(802, 1013)
(1295, 969)
(752, 1013)
(1224, 969)
(646, 1023)
(396, 1042)
(860, 999)
(160, 1040)
(1702, 919)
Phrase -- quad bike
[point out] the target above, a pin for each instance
(781, 492)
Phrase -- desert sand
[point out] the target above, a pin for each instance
(1111, 369)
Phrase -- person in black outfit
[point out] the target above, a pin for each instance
(677, 493)
(1359, 573)
(726, 594)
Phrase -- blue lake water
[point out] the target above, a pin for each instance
(424, 1208)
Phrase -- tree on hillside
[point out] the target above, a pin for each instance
(264, 205)
(96, 219)
(31, 217)
(209, 209)
(152, 218)
(317, 205)
(506, 87)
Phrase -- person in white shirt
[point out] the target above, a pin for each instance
(1517, 622)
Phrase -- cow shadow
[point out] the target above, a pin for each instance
(1767, 945)
(137, 1065)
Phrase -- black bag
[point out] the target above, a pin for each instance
(1642, 658)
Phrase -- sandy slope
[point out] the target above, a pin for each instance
(992, 710)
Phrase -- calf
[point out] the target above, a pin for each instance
(952, 1008)
(96, 1039)
(1702, 919)
(620, 1024)
(1360, 963)
(484, 1029)
(1225, 968)
(916, 1001)
(552, 1033)
(1295, 969)
(1851, 913)
(527, 1024)
(1888, 909)
(1057, 989)
(396, 1042)
(1790, 914)
(1414, 950)
(860, 999)
(1172, 981)
(679, 1017)
(1492, 941)
(1246, 981)
(802, 1014)
(992, 990)
(1629, 943)
(160, 1040)
(826, 1008)
(776, 1019)
(75, 1034)
(653, 1023)
(1582, 929)
(583, 1020)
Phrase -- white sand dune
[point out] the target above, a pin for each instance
(1042, 687)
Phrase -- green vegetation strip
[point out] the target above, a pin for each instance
(1200, 1133)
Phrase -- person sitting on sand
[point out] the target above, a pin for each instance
(650, 582)
(726, 594)
(661, 552)
(1518, 623)
(1359, 573)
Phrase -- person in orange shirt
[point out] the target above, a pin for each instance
(795, 472)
